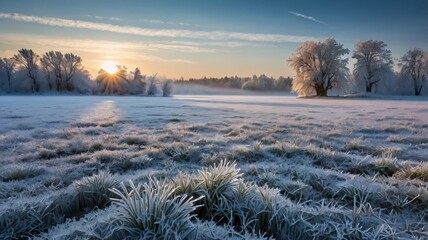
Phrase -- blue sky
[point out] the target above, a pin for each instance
(205, 38)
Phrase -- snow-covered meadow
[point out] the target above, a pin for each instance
(321, 168)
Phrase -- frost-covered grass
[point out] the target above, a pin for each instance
(213, 167)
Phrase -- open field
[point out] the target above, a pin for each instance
(308, 168)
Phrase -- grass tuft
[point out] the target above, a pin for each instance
(419, 171)
(152, 209)
(19, 173)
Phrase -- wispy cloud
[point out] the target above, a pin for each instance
(182, 24)
(306, 17)
(150, 32)
(102, 46)
(102, 17)
(156, 21)
(118, 50)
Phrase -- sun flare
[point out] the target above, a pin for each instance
(110, 67)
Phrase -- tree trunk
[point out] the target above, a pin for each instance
(9, 78)
(36, 86)
(369, 87)
(418, 90)
(320, 91)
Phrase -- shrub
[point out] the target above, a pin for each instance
(133, 140)
(153, 209)
(19, 173)
(167, 88)
(216, 184)
(387, 165)
(417, 172)
(22, 220)
(94, 191)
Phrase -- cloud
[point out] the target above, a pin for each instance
(118, 47)
(117, 50)
(307, 17)
(101, 46)
(150, 32)
(155, 21)
(182, 24)
(101, 17)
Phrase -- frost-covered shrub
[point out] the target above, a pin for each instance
(25, 218)
(152, 209)
(269, 177)
(47, 153)
(167, 88)
(216, 184)
(99, 224)
(94, 191)
(85, 195)
(20, 172)
(387, 165)
(107, 156)
(152, 89)
(179, 151)
(21, 220)
(419, 171)
(284, 149)
(186, 183)
(133, 140)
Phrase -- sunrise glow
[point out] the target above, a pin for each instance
(110, 67)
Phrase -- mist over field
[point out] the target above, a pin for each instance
(213, 120)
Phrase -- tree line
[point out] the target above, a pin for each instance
(321, 66)
(55, 71)
(255, 83)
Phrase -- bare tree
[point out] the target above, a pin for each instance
(8, 64)
(414, 64)
(319, 67)
(70, 65)
(373, 60)
(152, 89)
(55, 59)
(167, 88)
(28, 59)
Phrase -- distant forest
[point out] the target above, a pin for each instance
(256, 83)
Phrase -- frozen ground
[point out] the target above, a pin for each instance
(342, 168)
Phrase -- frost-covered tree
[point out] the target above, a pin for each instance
(261, 83)
(152, 88)
(283, 84)
(8, 66)
(82, 82)
(116, 83)
(373, 62)
(319, 67)
(47, 71)
(70, 65)
(167, 88)
(28, 60)
(138, 83)
(54, 59)
(414, 65)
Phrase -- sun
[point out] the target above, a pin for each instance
(110, 67)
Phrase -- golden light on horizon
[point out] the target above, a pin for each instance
(110, 67)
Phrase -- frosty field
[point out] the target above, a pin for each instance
(308, 168)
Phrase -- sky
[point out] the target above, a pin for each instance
(193, 39)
